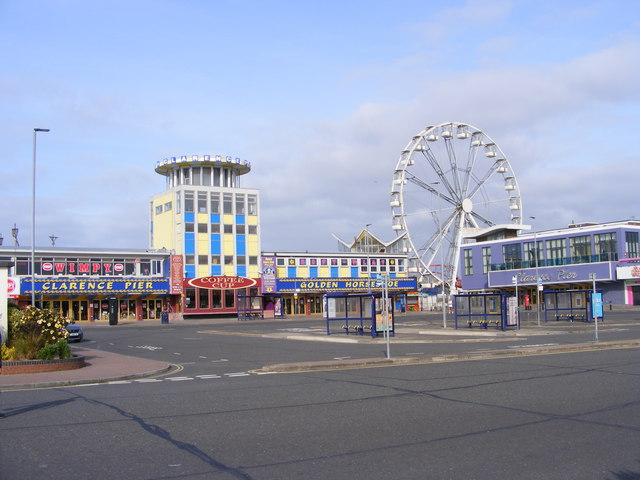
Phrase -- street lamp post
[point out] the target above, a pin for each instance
(33, 218)
(538, 282)
(366, 240)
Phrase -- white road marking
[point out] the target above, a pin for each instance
(205, 377)
(178, 379)
(237, 374)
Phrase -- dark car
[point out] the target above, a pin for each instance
(75, 332)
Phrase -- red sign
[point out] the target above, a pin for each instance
(176, 273)
(222, 282)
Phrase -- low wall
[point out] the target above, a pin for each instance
(11, 367)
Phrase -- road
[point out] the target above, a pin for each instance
(573, 416)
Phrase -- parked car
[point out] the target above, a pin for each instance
(75, 332)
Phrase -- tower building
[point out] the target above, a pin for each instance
(205, 216)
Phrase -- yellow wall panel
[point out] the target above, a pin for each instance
(324, 272)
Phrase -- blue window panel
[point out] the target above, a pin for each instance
(215, 244)
(190, 243)
(239, 219)
(313, 272)
(215, 218)
(189, 217)
(242, 270)
(291, 272)
(216, 269)
(335, 272)
(354, 272)
(241, 247)
(190, 271)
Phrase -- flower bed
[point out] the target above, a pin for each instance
(11, 367)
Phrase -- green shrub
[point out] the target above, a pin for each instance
(60, 349)
(31, 329)
(7, 353)
(27, 345)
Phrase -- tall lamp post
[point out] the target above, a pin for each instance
(538, 282)
(366, 247)
(33, 218)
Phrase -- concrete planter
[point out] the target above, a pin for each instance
(11, 367)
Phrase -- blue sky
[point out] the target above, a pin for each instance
(320, 97)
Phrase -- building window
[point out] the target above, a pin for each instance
(228, 260)
(203, 259)
(216, 177)
(486, 259)
(580, 249)
(606, 246)
(189, 259)
(215, 203)
(215, 260)
(202, 227)
(227, 203)
(240, 229)
(512, 255)
(280, 262)
(631, 245)
(253, 229)
(240, 208)
(252, 204)
(202, 202)
(556, 251)
(178, 203)
(468, 261)
(228, 228)
(158, 209)
(203, 296)
(188, 202)
(167, 206)
(189, 227)
(206, 176)
(215, 228)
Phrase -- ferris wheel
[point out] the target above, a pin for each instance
(450, 177)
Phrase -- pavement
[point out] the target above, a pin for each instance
(422, 327)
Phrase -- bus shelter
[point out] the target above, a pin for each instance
(484, 310)
(359, 314)
(572, 305)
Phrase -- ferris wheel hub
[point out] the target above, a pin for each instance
(467, 205)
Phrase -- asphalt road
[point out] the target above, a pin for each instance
(573, 416)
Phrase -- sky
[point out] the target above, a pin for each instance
(320, 97)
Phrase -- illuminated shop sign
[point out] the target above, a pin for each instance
(628, 273)
(95, 286)
(222, 282)
(78, 268)
(342, 284)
